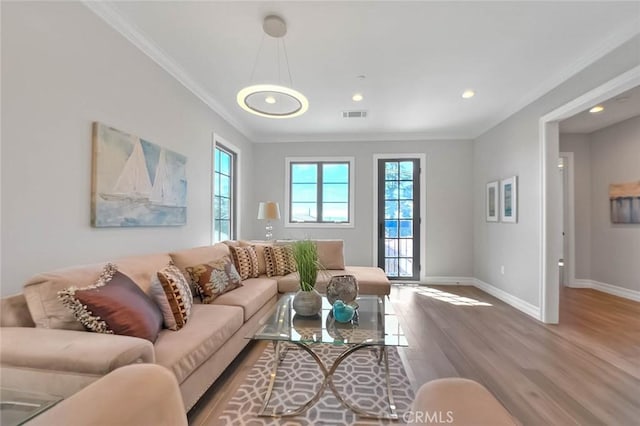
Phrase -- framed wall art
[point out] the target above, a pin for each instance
(136, 182)
(624, 201)
(492, 197)
(509, 200)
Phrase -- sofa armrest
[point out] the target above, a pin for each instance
(138, 395)
(71, 351)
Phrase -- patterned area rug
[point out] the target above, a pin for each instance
(359, 379)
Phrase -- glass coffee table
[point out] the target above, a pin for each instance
(17, 406)
(374, 326)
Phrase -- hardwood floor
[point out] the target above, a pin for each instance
(584, 371)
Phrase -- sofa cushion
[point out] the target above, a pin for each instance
(114, 305)
(291, 282)
(330, 253)
(246, 261)
(41, 291)
(14, 312)
(171, 291)
(209, 327)
(198, 255)
(214, 278)
(279, 260)
(71, 351)
(253, 295)
(371, 280)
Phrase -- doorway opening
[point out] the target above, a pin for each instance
(551, 216)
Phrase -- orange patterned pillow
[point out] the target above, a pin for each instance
(279, 260)
(246, 261)
(171, 292)
(214, 278)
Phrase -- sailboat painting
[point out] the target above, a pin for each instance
(136, 182)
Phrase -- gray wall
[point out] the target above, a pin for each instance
(615, 248)
(581, 148)
(448, 175)
(62, 68)
(513, 148)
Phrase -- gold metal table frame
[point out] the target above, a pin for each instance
(378, 330)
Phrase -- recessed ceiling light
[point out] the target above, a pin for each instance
(596, 109)
(270, 100)
(357, 97)
(467, 94)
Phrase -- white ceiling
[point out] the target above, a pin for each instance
(418, 57)
(617, 109)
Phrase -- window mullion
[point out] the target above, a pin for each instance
(320, 218)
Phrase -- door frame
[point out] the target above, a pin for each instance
(422, 159)
(550, 215)
(570, 213)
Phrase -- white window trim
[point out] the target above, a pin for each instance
(287, 195)
(219, 140)
(423, 208)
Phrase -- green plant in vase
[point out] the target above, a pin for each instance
(307, 301)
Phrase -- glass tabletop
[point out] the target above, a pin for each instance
(374, 323)
(17, 406)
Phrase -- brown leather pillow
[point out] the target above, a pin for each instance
(114, 305)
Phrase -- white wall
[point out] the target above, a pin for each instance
(581, 148)
(512, 148)
(62, 69)
(448, 194)
(615, 248)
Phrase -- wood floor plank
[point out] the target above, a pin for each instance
(584, 371)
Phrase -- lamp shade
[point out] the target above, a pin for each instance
(269, 210)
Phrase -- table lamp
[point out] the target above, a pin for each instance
(269, 210)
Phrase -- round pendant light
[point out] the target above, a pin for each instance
(273, 100)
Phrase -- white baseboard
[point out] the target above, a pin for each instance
(519, 304)
(607, 288)
(447, 280)
(580, 283)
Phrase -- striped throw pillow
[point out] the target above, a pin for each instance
(279, 260)
(177, 301)
(246, 261)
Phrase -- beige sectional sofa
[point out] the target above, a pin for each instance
(44, 349)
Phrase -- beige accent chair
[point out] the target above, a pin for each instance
(457, 401)
(141, 395)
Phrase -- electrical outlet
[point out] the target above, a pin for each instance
(502, 269)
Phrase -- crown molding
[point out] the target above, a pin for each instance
(363, 137)
(609, 44)
(109, 14)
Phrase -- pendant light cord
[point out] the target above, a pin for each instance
(255, 63)
(286, 57)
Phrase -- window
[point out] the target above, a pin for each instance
(320, 192)
(224, 194)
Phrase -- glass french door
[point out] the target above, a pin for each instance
(399, 218)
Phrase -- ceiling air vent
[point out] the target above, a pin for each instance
(354, 114)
